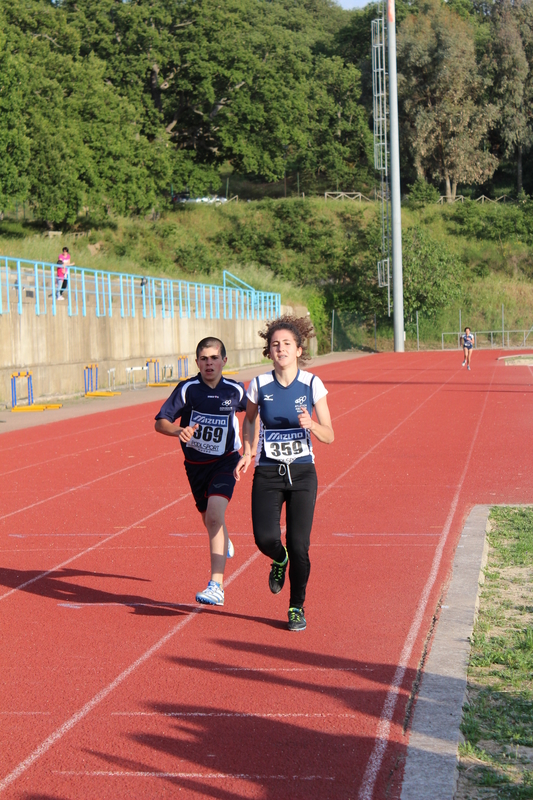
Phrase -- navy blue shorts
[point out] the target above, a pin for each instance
(214, 479)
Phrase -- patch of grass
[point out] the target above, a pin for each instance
(498, 717)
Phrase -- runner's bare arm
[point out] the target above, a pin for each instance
(168, 428)
(250, 436)
(322, 429)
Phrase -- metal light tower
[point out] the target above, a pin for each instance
(397, 271)
(387, 162)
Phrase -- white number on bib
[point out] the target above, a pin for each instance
(211, 434)
(286, 445)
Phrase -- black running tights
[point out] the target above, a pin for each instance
(271, 488)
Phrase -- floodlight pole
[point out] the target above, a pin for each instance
(396, 212)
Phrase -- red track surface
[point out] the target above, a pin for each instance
(115, 685)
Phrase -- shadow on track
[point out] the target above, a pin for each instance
(303, 751)
(59, 585)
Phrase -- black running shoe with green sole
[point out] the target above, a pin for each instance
(297, 620)
(276, 579)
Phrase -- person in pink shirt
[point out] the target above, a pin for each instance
(63, 262)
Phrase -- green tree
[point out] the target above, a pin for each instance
(444, 113)
(511, 90)
(340, 142)
(431, 275)
(14, 142)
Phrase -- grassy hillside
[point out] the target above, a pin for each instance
(323, 254)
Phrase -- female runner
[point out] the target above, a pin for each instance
(285, 470)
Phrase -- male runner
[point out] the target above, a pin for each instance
(209, 434)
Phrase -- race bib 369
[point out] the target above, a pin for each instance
(211, 435)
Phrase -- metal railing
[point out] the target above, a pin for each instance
(104, 293)
(490, 339)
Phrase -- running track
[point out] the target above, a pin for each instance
(114, 684)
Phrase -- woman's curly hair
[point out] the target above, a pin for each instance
(300, 327)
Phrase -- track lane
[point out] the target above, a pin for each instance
(246, 632)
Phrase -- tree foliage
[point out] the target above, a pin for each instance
(122, 100)
(441, 90)
(109, 104)
(431, 275)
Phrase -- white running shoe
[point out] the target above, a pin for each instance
(231, 549)
(464, 362)
(212, 596)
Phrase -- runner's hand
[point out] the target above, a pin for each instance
(187, 433)
(242, 466)
(305, 420)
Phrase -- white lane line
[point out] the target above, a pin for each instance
(203, 535)
(174, 547)
(203, 775)
(201, 547)
(385, 534)
(101, 695)
(86, 485)
(76, 453)
(33, 535)
(229, 714)
(154, 605)
(292, 669)
(369, 544)
(382, 735)
(284, 669)
(90, 549)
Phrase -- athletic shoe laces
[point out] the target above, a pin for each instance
(278, 570)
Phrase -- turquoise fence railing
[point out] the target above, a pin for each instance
(106, 293)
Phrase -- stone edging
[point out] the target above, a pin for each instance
(431, 765)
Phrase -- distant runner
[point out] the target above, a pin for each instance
(468, 345)
(285, 470)
(209, 434)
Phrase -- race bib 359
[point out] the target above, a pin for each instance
(286, 445)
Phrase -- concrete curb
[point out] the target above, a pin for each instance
(431, 765)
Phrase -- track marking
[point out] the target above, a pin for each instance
(90, 549)
(101, 695)
(230, 714)
(196, 547)
(385, 534)
(88, 484)
(382, 735)
(265, 669)
(203, 775)
(293, 669)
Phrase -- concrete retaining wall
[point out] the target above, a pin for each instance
(56, 349)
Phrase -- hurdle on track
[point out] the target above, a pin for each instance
(31, 405)
(157, 374)
(183, 371)
(14, 376)
(183, 366)
(90, 381)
